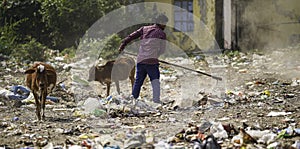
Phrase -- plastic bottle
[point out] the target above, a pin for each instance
(109, 98)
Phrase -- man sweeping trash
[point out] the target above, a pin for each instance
(152, 45)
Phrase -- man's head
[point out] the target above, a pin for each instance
(161, 20)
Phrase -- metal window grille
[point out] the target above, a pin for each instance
(183, 18)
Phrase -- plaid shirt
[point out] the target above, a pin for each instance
(153, 43)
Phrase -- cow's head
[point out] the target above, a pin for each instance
(41, 74)
(95, 70)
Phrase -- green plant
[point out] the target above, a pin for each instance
(69, 51)
(32, 51)
(8, 37)
(110, 48)
(232, 53)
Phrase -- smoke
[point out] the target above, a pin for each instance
(285, 62)
(268, 24)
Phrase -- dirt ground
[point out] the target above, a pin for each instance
(253, 86)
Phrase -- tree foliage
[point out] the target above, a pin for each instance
(8, 38)
(30, 51)
(26, 14)
(68, 20)
(35, 25)
(57, 24)
(109, 51)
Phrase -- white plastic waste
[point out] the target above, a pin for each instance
(91, 104)
(218, 131)
(267, 138)
(273, 113)
(258, 133)
(273, 145)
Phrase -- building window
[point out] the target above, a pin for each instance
(183, 18)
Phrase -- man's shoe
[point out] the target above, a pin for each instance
(129, 101)
(160, 102)
(157, 104)
(130, 98)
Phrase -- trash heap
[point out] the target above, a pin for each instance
(224, 135)
(260, 111)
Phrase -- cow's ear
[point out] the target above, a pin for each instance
(30, 71)
(50, 72)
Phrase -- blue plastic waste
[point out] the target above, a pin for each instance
(108, 98)
(62, 85)
(111, 147)
(18, 88)
(15, 118)
(21, 92)
(54, 99)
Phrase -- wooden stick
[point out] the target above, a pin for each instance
(203, 73)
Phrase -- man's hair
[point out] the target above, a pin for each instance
(161, 18)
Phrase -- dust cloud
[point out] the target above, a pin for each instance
(269, 24)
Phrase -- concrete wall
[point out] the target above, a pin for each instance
(203, 36)
(255, 24)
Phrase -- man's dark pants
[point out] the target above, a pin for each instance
(153, 72)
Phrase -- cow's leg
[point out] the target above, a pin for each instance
(43, 102)
(108, 89)
(118, 87)
(131, 76)
(37, 105)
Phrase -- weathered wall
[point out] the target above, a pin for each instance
(256, 24)
(259, 24)
(204, 26)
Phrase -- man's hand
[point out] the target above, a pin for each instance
(120, 49)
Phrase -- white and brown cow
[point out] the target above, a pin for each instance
(41, 79)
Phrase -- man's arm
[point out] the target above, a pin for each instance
(136, 34)
(162, 45)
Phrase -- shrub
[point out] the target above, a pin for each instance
(8, 37)
(32, 51)
(110, 48)
(68, 53)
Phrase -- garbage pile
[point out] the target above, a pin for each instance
(223, 135)
(257, 112)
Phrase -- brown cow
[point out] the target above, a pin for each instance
(113, 71)
(41, 79)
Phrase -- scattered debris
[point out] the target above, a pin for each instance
(258, 109)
